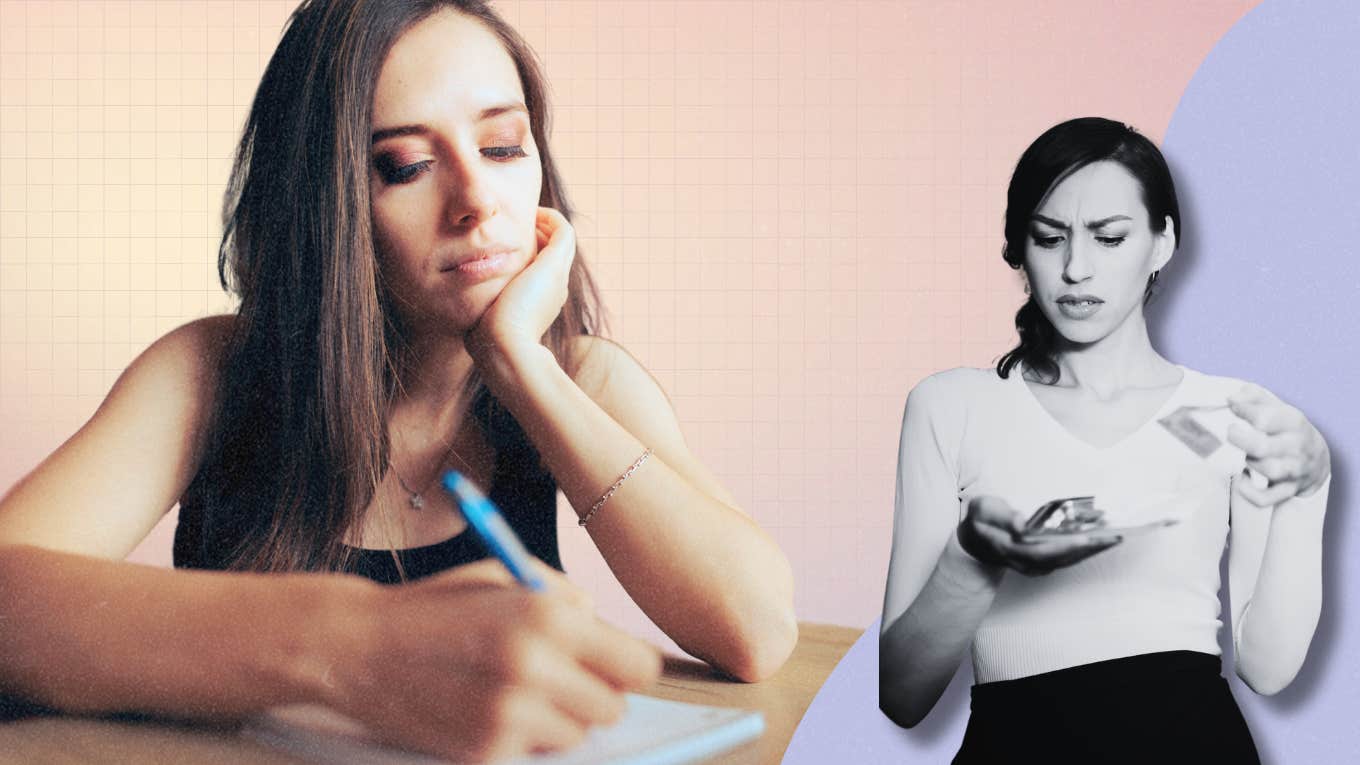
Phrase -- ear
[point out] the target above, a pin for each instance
(1165, 245)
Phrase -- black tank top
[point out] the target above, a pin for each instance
(521, 487)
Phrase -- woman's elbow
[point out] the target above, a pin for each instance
(761, 647)
(1266, 681)
(905, 694)
(900, 710)
(1269, 665)
(762, 632)
(1268, 673)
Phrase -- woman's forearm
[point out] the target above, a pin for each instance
(82, 634)
(920, 651)
(702, 571)
(1278, 622)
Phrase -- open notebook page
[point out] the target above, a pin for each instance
(652, 732)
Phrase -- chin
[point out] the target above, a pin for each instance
(466, 308)
(1079, 332)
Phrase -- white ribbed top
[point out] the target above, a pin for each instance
(1154, 592)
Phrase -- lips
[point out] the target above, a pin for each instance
(481, 264)
(477, 259)
(1079, 306)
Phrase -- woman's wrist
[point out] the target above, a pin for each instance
(1301, 513)
(965, 566)
(1318, 484)
(968, 543)
(512, 371)
(332, 632)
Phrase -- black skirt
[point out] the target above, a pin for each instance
(1172, 707)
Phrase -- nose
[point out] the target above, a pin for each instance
(1077, 267)
(471, 197)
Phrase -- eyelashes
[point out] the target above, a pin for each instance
(404, 174)
(504, 153)
(1051, 242)
(401, 174)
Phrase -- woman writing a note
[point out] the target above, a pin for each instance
(411, 303)
(1066, 512)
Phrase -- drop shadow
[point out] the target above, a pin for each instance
(1179, 272)
(1328, 638)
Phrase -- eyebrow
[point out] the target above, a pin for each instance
(1089, 224)
(418, 129)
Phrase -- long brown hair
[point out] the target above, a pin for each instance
(299, 442)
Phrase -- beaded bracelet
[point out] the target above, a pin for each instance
(610, 491)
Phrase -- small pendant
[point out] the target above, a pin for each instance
(417, 501)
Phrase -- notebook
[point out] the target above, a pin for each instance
(651, 732)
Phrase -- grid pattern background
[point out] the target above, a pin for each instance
(793, 209)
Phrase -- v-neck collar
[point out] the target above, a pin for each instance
(1175, 395)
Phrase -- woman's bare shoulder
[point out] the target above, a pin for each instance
(191, 351)
(200, 340)
(176, 376)
(151, 426)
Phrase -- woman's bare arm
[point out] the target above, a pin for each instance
(701, 569)
(89, 635)
(103, 490)
(698, 567)
(85, 632)
(920, 649)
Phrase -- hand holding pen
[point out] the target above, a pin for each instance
(477, 664)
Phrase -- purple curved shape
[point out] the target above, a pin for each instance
(843, 724)
(1265, 146)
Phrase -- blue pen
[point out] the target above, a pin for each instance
(491, 528)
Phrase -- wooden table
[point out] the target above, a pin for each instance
(782, 698)
(63, 739)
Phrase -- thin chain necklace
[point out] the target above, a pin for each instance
(417, 498)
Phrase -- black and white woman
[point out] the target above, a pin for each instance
(1098, 645)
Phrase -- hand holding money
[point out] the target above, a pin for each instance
(1280, 443)
(997, 534)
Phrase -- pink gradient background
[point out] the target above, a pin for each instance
(794, 210)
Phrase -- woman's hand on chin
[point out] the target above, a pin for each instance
(532, 299)
(1280, 444)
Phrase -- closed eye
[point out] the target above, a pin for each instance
(1110, 241)
(403, 174)
(1047, 242)
(504, 153)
